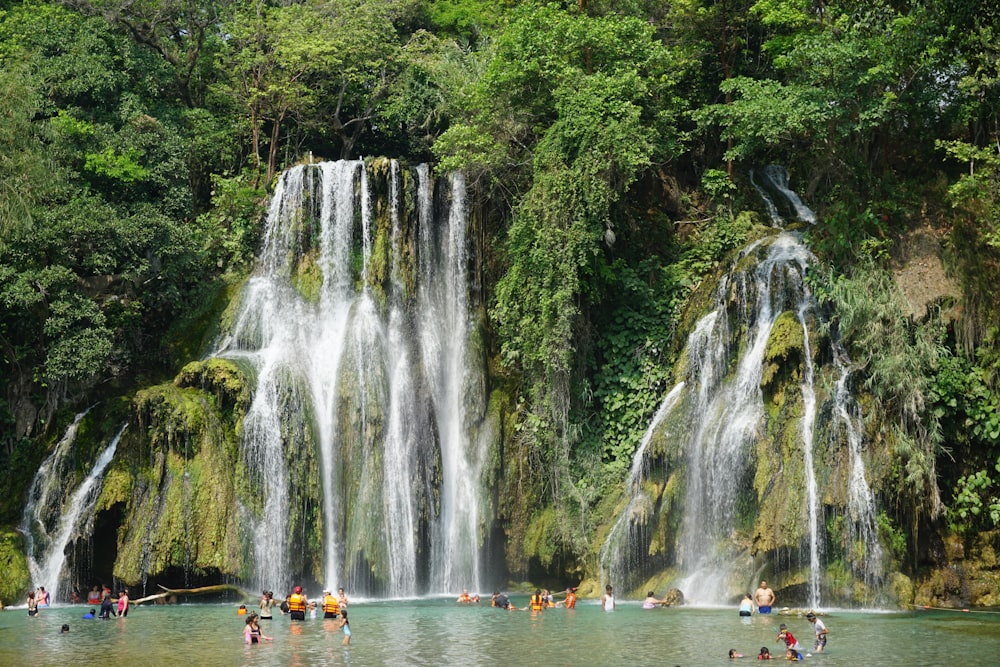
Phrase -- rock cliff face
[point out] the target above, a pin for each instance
(177, 484)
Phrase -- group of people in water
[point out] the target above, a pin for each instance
(762, 602)
(538, 601)
(116, 605)
(296, 605)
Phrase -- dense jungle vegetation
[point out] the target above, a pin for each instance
(608, 144)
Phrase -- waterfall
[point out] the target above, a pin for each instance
(721, 437)
(444, 325)
(865, 553)
(617, 549)
(354, 327)
(731, 414)
(775, 179)
(53, 518)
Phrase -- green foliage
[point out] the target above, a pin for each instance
(16, 581)
(633, 366)
(898, 358)
(976, 504)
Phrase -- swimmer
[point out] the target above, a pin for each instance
(765, 654)
(793, 655)
(733, 654)
(651, 601)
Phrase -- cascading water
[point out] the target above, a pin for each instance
(53, 517)
(718, 427)
(368, 372)
(865, 553)
(731, 410)
(775, 179)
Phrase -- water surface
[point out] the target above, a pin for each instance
(440, 632)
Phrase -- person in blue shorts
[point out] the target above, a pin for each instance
(763, 597)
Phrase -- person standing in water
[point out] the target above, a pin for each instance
(764, 598)
(123, 603)
(266, 601)
(32, 604)
(608, 599)
(820, 629)
(341, 598)
(107, 607)
(746, 606)
(331, 608)
(297, 603)
(345, 625)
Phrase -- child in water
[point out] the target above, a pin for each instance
(793, 655)
(734, 654)
(346, 625)
(785, 635)
(765, 654)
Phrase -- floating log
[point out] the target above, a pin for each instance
(201, 590)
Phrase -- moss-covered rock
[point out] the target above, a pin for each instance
(16, 580)
(174, 479)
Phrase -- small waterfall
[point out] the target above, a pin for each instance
(619, 546)
(864, 553)
(808, 467)
(775, 179)
(719, 428)
(355, 325)
(48, 501)
(730, 414)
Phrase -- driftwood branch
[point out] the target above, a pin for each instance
(203, 590)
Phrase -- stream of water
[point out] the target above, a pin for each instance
(440, 632)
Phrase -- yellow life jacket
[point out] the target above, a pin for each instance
(296, 602)
(330, 605)
(536, 603)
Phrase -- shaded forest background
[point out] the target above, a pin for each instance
(608, 145)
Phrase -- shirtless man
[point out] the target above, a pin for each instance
(763, 597)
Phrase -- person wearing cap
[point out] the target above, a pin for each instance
(764, 598)
(297, 603)
(820, 628)
(331, 609)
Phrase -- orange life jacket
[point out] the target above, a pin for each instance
(296, 602)
(571, 600)
(330, 605)
(537, 603)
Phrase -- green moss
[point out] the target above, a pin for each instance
(540, 538)
(307, 278)
(16, 580)
(784, 355)
(175, 481)
(192, 334)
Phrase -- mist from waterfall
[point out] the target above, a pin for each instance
(374, 382)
